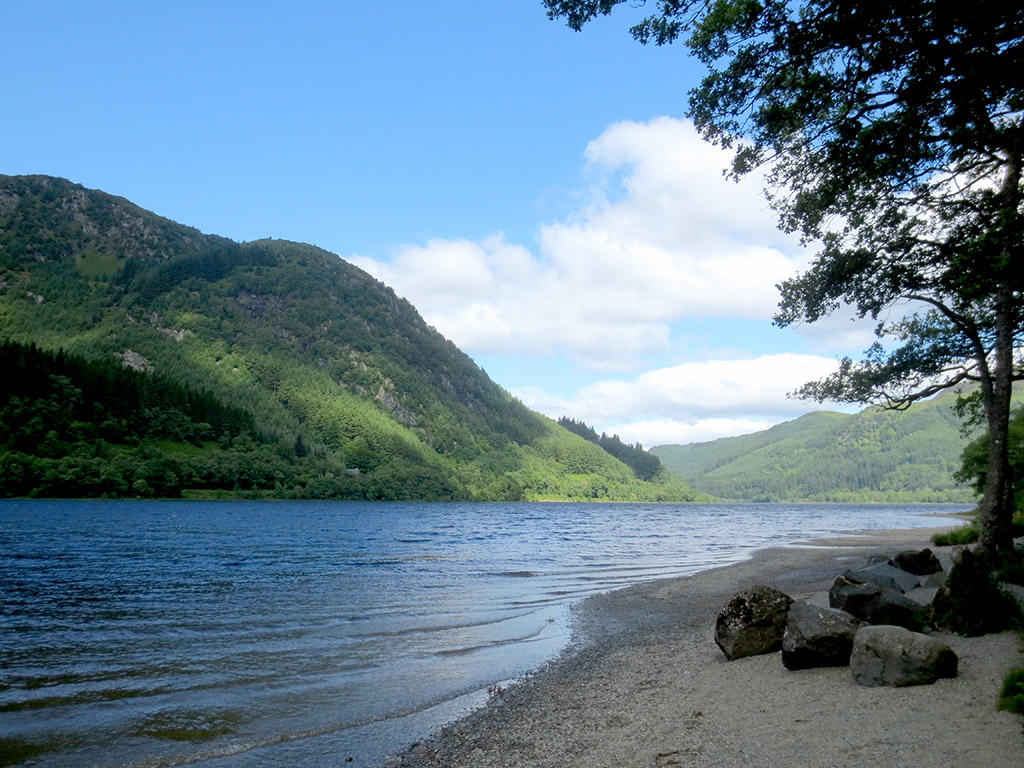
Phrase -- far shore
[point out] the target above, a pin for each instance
(644, 686)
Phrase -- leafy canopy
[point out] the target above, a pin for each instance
(893, 136)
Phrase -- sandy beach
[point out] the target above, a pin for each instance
(645, 686)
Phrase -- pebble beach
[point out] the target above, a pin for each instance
(643, 685)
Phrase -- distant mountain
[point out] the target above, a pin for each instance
(334, 387)
(875, 455)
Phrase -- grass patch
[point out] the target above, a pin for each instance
(965, 534)
(97, 265)
(969, 533)
(1011, 698)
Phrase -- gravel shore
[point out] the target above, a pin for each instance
(645, 685)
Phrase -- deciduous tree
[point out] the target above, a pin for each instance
(893, 137)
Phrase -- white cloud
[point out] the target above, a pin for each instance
(663, 236)
(693, 401)
(670, 432)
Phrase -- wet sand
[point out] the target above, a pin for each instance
(645, 685)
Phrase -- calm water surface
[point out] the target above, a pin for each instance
(229, 634)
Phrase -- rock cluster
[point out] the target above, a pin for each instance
(870, 625)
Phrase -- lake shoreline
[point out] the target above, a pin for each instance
(643, 684)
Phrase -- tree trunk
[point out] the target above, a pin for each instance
(997, 504)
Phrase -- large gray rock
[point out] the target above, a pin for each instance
(919, 563)
(753, 622)
(818, 637)
(896, 656)
(875, 604)
(886, 575)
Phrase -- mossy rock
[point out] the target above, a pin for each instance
(971, 602)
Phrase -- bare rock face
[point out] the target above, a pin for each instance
(923, 563)
(818, 637)
(874, 603)
(888, 655)
(753, 622)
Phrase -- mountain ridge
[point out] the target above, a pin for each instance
(875, 455)
(319, 351)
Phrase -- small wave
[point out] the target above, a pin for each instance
(515, 574)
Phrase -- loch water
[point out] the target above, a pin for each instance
(308, 634)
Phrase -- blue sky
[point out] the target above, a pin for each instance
(535, 192)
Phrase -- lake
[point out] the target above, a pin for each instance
(301, 634)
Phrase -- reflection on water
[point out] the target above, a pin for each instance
(287, 634)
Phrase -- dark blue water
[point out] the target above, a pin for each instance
(228, 634)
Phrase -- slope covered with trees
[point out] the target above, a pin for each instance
(344, 390)
(644, 464)
(876, 455)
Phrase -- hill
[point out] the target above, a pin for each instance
(875, 455)
(344, 390)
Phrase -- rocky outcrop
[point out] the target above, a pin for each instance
(753, 622)
(889, 655)
(875, 604)
(135, 361)
(818, 637)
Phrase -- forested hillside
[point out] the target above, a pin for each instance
(643, 463)
(876, 455)
(338, 387)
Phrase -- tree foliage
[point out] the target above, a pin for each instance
(893, 136)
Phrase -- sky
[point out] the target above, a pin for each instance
(536, 193)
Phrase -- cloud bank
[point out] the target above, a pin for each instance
(692, 402)
(660, 237)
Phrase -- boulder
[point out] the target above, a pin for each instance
(897, 656)
(818, 637)
(875, 604)
(919, 563)
(886, 575)
(753, 622)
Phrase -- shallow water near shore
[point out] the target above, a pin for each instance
(226, 634)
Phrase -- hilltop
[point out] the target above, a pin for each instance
(874, 455)
(315, 379)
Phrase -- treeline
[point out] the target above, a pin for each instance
(644, 465)
(53, 399)
(77, 427)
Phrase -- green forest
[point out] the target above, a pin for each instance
(145, 358)
(643, 463)
(876, 455)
